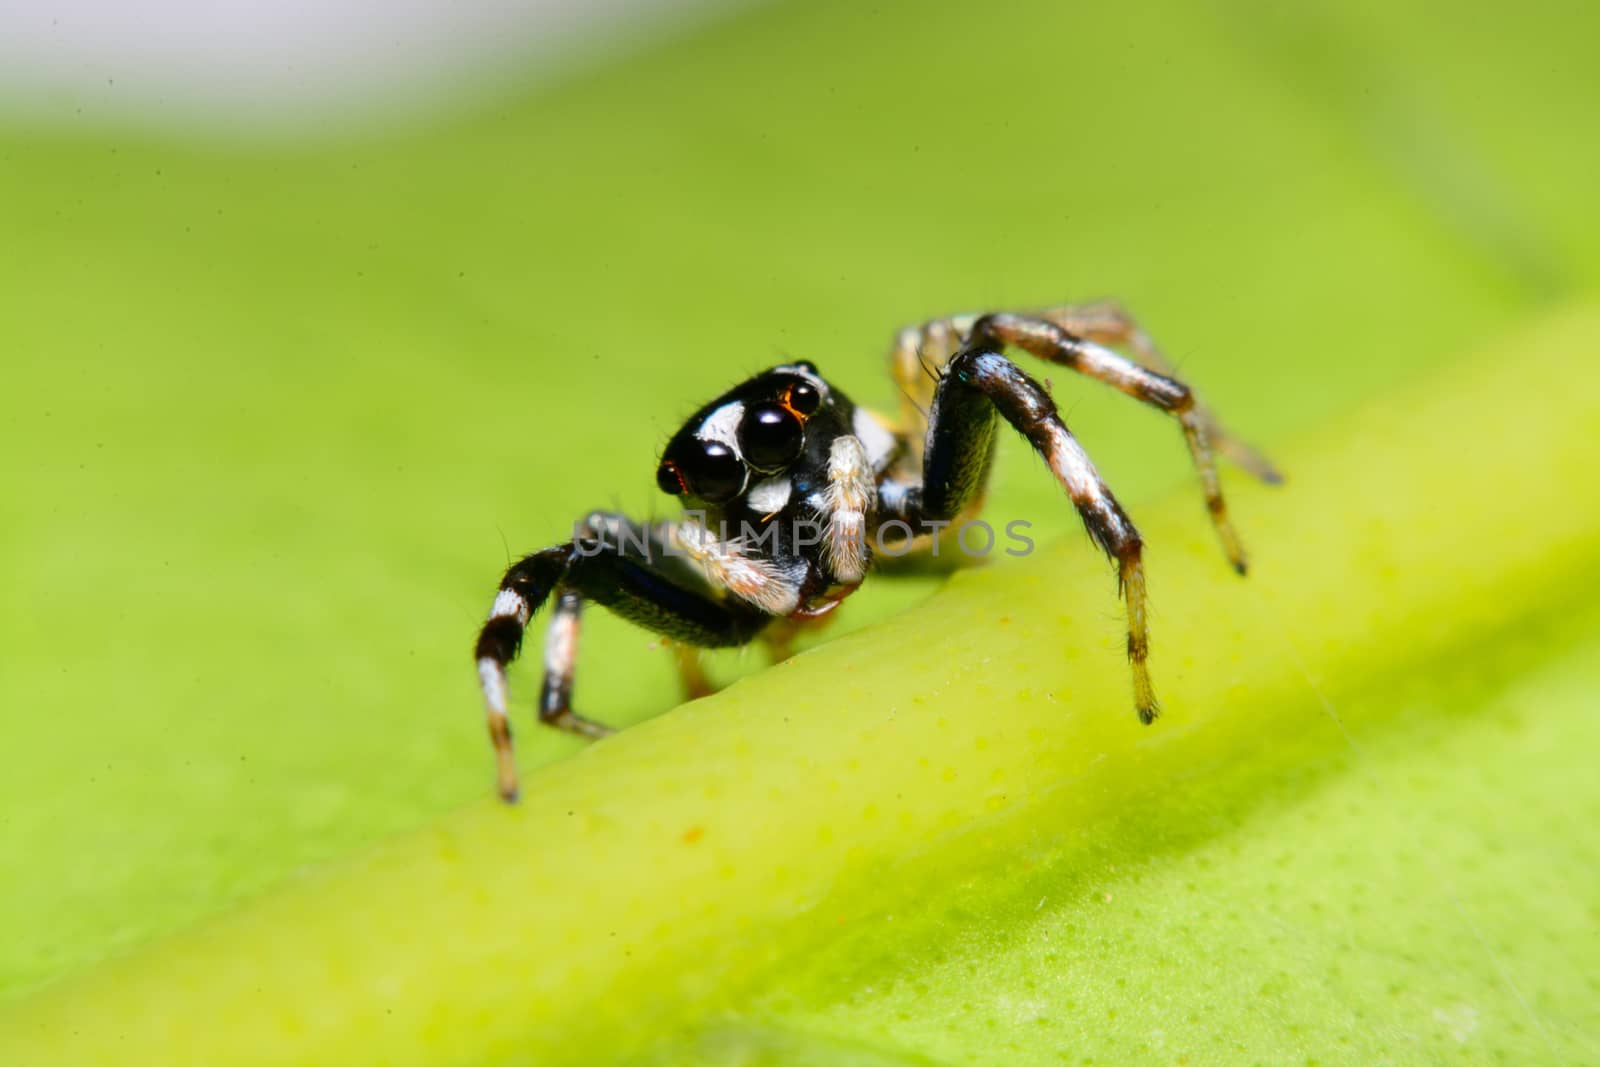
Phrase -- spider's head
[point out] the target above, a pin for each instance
(756, 432)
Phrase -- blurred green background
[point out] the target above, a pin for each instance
(274, 416)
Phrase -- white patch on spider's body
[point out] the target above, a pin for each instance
(875, 437)
(759, 581)
(494, 686)
(850, 495)
(508, 604)
(561, 644)
(722, 426)
(770, 496)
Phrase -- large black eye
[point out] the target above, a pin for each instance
(770, 437)
(715, 474)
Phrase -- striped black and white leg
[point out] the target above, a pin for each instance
(638, 579)
(522, 591)
(560, 656)
(1109, 323)
(1049, 340)
(977, 385)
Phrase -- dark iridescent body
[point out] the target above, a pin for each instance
(789, 486)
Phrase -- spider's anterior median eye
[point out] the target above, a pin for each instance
(716, 473)
(771, 437)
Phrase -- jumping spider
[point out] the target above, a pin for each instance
(786, 452)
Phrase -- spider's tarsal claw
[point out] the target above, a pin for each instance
(1247, 459)
(574, 723)
(1144, 697)
(1234, 550)
(505, 762)
(1144, 694)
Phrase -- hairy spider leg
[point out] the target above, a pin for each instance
(1049, 335)
(977, 385)
(636, 577)
(848, 502)
(560, 655)
(691, 672)
(1044, 339)
(916, 361)
(1109, 323)
(523, 589)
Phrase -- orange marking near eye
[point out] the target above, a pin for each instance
(785, 403)
(672, 469)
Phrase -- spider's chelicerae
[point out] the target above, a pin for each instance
(789, 487)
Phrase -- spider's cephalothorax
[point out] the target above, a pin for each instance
(787, 486)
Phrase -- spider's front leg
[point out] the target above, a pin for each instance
(977, 385)
(649, 575)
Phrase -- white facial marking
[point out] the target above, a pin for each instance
(722, 426)
(769, 496)
(875, 437)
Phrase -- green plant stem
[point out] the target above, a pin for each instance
(640, 882)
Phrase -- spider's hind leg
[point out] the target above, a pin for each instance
(977, 385)
(1048, 340)
(1109, 323)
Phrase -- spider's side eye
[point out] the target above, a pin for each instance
(716, 473)
(771, 437)
(670, 479)
(802, 397)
